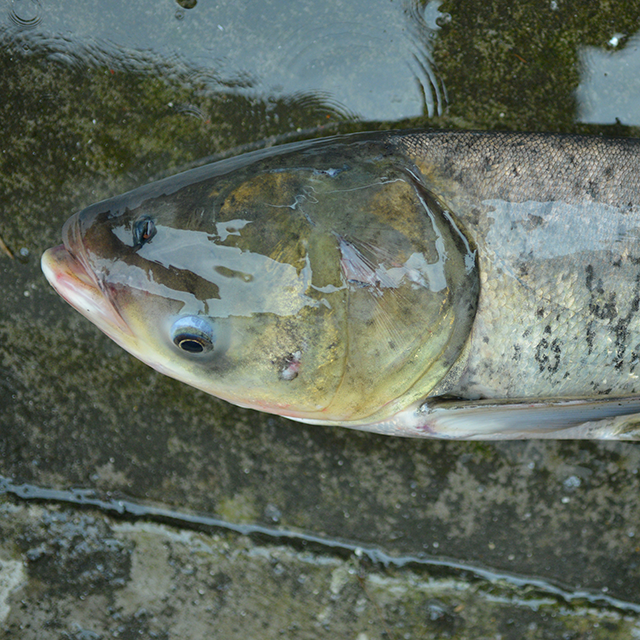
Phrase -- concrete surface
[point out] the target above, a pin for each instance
(243, 525)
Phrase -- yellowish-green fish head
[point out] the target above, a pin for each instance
(322, 283)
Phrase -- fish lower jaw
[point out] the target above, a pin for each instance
(73, 284)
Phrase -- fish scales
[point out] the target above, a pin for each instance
(556, 222)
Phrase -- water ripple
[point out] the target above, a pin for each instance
(425, 20)
(25, 13)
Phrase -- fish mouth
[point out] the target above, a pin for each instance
(65, 269)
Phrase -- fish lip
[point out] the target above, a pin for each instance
(65, 267)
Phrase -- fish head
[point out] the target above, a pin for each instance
(326, 285)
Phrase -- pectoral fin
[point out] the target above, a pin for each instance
(592, 419)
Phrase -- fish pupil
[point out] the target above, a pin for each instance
(190, 344)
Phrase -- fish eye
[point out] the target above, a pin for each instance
(143, 230)
(193, 334)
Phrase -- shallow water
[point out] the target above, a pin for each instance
(97, 98)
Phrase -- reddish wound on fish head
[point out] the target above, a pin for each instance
(291, 366)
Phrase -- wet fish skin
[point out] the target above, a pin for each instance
(524, 246)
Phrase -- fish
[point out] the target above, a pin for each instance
(460, 285)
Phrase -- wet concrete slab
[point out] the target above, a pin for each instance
(84, 575)
(134, 506)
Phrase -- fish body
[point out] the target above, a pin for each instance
(463, 284)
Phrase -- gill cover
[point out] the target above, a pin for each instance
(320, 281)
